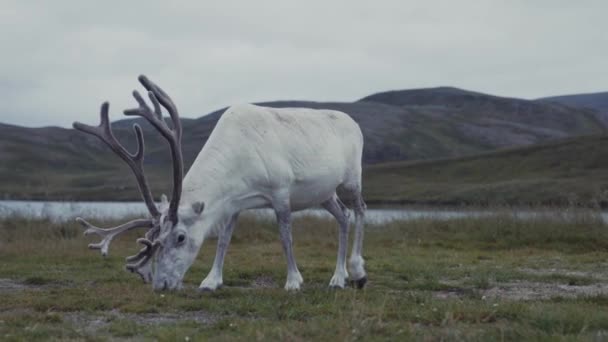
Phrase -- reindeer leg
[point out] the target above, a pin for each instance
(335, 207)
(294, 278)
(356, 262)
(214, 279)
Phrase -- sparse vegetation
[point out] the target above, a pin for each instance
(572, 172)
(475, 278)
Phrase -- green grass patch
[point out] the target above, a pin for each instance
(476, 278)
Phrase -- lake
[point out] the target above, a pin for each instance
(60, 211)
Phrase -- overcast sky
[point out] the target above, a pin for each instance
(61, 59)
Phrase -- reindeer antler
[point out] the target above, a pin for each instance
(109, 233)
(135, 161)
(173, 136)
(140, 263)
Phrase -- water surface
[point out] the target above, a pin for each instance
(60, 211)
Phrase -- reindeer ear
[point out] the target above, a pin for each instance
(198, 207)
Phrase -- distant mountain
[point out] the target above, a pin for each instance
(487, 122)
(442, 96)
(501, 121)
(416, 124)
(595, 101)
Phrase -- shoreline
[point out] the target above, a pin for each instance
(371, 204)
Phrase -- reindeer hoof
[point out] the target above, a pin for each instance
(338, 281)
(209, 288)
(359, 283)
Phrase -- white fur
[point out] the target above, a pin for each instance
(286, 159)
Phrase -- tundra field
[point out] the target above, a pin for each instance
(495, 278)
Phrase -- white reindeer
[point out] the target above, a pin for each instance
(256, 157)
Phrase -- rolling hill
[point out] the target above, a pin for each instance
(421, 124)
(573, 171)
(594, 101)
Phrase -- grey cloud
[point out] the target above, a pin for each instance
(60, 59)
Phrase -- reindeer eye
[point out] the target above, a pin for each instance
(181, 238)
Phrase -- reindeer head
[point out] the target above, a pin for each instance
(168, 250)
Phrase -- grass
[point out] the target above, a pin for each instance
(476, 278)
(571, 172)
